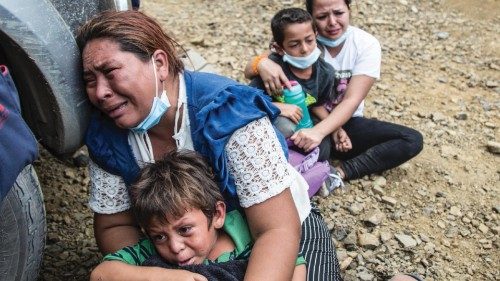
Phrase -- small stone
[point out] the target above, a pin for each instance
(441, 224)
(461, 116)
(345, 263)
(451, 232)
(380, 181)
(405, 240)
(440, 194)
(446, 243)
(491, 84)
(69, 174)
(497, 209)
(385, 236)
(483, 228)
(490, 125)
(365, 276)
(493, 147)
(424, 238)
(454, 210)
(368, 241)
(430, 248)
(374, 218)
(389, 200)
(442, 35)
(495, 230)
(64, 255)
(355, 208)
(339, 233)
(67, 220)
(350, 241)
(465, 232)
(52, 238)
(378, 190)
(443, 80)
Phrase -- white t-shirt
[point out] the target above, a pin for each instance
(255, 160)
(360, 55)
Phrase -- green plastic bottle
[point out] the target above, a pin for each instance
(297, 96)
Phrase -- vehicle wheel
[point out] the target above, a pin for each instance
(22, 229)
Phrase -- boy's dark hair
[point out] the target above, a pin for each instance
(285, 17)
(309, 5)
(181, 181)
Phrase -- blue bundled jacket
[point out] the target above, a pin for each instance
(18, 146)
(217, 107)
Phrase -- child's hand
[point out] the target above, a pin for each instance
(290, 111)
(341, 140)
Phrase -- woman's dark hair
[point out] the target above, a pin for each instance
(309, 5)
(134, 32)
(285, 17)
(181, 181)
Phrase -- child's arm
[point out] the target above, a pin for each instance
(116, 270)
(319, 111)
(290, 111)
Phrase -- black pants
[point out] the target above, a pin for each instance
(316, 246)
(376, 146)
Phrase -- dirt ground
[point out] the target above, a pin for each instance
(437, 215)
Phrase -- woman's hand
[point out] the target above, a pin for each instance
(272, 76)
(290, 111)
(341, 140)
(119, 271)
(307, 139)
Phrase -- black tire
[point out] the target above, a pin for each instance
(22, 229)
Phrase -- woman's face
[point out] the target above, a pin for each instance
(118, 83)
(331, 17)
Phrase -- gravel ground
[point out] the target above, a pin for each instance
(437, 215)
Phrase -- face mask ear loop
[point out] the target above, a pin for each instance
(156, 77)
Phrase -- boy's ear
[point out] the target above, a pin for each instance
(279, 49)
(219, 215)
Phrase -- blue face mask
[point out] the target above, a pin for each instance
(158, 109)
(302, 62)
(332, 43)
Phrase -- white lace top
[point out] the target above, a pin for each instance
(255, 160)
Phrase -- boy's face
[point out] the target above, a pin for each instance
(299, 40)
(189, 239)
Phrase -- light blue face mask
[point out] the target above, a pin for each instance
(158, 109)
(332, 43)
(302, 62)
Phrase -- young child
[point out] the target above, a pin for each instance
(179, 207)
(294, 36)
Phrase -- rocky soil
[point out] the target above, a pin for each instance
(437, 215)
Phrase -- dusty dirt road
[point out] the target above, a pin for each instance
(437, 215)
